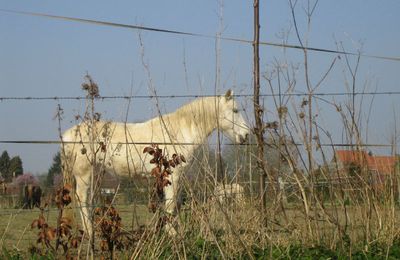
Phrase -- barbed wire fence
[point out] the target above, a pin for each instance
(103, 98)
(199, 35)
(8, 211)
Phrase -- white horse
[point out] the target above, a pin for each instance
(118, 147)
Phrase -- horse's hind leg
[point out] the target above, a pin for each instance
(82, 186)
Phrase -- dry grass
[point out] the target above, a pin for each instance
(16, 231)
(228, 229)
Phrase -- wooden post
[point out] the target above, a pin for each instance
(258, 110)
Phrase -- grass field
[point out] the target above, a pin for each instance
(18, 235)
(212, 231)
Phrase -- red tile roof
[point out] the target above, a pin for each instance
(381, 164)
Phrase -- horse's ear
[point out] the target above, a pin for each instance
(229, 95)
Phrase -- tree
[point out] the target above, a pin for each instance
(5, 165)
(277, 154)
(204, 160)
(15, 168)
(54, 170)
(24, 179)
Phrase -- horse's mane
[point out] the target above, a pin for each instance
(201, 112)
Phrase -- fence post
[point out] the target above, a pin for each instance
(258, 110)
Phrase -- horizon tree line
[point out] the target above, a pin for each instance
(10, 167)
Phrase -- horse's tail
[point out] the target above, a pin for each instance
(67, 162)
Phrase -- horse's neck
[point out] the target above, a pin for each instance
(198, 117)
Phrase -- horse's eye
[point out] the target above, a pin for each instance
(235, 110)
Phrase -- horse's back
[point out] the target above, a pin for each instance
(119, 146)
(113, 144)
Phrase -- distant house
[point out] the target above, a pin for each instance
(378, 167)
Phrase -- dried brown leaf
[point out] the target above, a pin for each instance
(149, 150)
(50, 233)
(182, 158)
(35, 223)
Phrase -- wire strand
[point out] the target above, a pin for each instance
(168, 143)
(101, 98)
(153, 29)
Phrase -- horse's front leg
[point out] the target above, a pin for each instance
(171, 193)
(82, 186)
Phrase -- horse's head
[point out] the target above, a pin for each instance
(231, 121)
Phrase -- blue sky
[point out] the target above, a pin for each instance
(46, 57)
